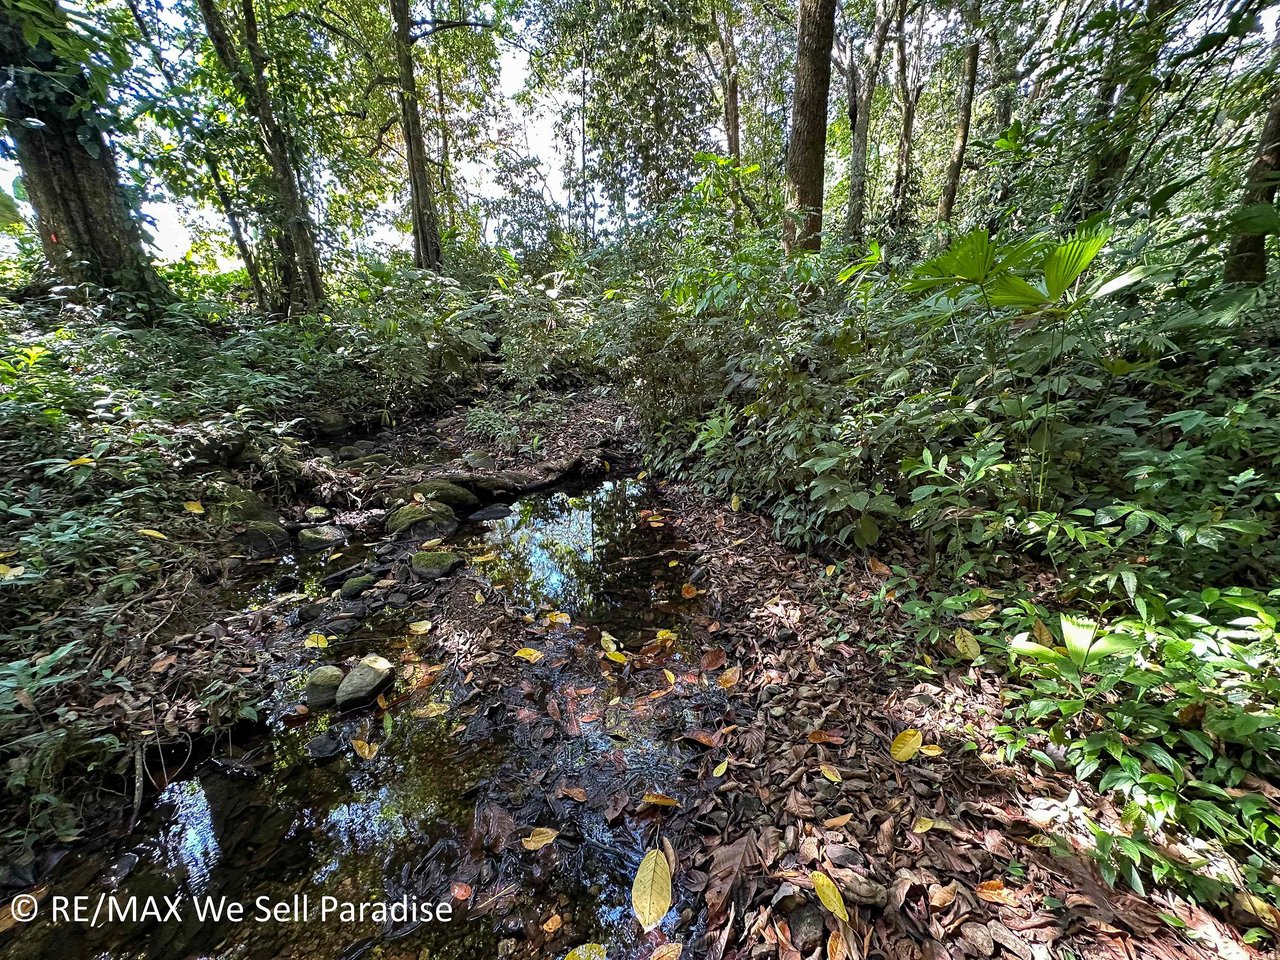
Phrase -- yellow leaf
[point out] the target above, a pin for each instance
(668, 951)
(81, 462)
(831, 569)
(829, 894)
(922, 825)
(735, 502)
(994, 891)
(729, 678)
(642, 474)
(366, 750)
(557, 617)
(651, 890)
(905, 745)
(316, 641)
(539, 838)
(193, 506)
(836, 948)
(667, 636)
(554, 923)
(931, 750)
(485, 558)
(721, 769)
(661, 800)
(671, 677)
(673, 563)
(1042, 633)
(479, 598)
(688, 591)
(588, 951)
(967, 644)
(831, 773)
(420, 627)
(608, 642)
(11, 573)
(153, 534)
(878, 568)
(529, 654)
(431, 710)
(616, 656)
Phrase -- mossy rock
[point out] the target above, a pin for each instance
(265, 538)
(371, 460)
(322, 686)
(236, 504)
(349, 452)
(459, 498)
(356, 586)
(438, 516)
(318, 538)
(431, 564)
(317, 514)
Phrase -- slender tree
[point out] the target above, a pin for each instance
(910, 89)
(1247, 252)
(427, 252)
(862, 84)
(53, 113)
(807, 149)
(299, 260)
(964, 112)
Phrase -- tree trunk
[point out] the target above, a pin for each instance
(427, 252)
(807, 150)
(951, 185)
(909, 96)
(69, 169)
(1247, 253)
(299, 260)
(861, 99)
(729, 83)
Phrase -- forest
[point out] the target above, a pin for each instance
(716, 479)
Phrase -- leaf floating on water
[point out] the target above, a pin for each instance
(588, 951)
(651, 890)
(539, 838)
(729, 678)
(668, 951)
(316, 641)
(365, 749)
(420, 627)
(829, 894)
(661, 800)
(153, 534)
(529, 654)
(430, 710)
(193, 506)
(831, 773)
(967, 644)
(555, 616)
(906, 745)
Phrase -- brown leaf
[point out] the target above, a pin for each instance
(727, 864)
(994, 891)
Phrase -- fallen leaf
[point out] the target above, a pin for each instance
(905, 745)
(366, 750)
(721, 768)
(836, 947)
(588, 951)
(667, 636)
(829, 894)
(153, 534)
(661, 800)
(574, 793)
(193, 506)
(835, 823)
(430, 710)
(529, 654)
(994, 891)
(539, 838)
(878, 568)
(941, 897)
(671, 677)
(967, 644)
(729, 678)
(616, 656)
(651, 890)
(688, 591)
(668, 951)
(554, 923)
(557, 617)
(831, 773)
(479, 598)
(931, 750)
(316, 641)
(922, 825)
(420, 627)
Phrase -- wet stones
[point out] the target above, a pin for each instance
(495, 511)
(367, 679)
(430, 565)
(264, 538)
(318, 538)
(443, 491)
(355, 586)
(429, 520)
(317, 514)
(322, 686)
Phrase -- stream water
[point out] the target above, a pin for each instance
(460, 775)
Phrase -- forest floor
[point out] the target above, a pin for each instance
(635, 667)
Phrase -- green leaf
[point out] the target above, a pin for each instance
(1068, 260)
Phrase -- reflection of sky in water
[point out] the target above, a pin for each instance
(548, 545)
(188, 844)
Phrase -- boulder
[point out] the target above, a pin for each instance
(429, 565)
(367, 679)
(370, 460)
(355, 586)
(317, 514)
(459, 498)
(322, 686)
(264, 538)
(329, 423)
(325, 535)
(236, 504)
(429, 520)
(494, 511)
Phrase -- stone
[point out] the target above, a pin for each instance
(460, 498)
(309, 611)
(372, 460)
(429, 564)
(367, 679)
(355, 586)
(495, 511)
(325, 535)
(349, 452)
(264, 538)
(430, 519)
(329, 423)
(236, 504)
(322, 686)
(317, 514)
(342, 627)
(807, 928)
(324, 747)
(479, 460)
